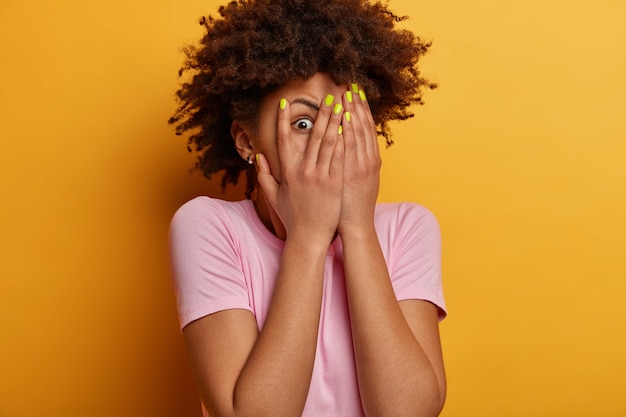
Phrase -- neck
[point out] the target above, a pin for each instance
(268, 215)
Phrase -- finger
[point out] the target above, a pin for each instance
(319, 130)
(337, 161)
(356, 137)
(349, 136)
(283, 135)
(265, 178)
(329, 142)
(367, 122)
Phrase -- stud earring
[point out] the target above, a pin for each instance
(249, 160)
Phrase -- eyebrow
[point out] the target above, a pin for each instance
(306, 103)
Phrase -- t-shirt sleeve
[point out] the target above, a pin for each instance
(206, 265)
(415, 256)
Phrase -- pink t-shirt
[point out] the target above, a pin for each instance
(223, 258)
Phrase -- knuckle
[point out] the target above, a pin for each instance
(282, 137)
(316, 136)
(367, 123)
(329, 141)
(307, 175)
(350, 143)
(324, 111)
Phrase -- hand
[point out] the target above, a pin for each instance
(308, 198)
(362, 163)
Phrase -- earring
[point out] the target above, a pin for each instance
(249, 160)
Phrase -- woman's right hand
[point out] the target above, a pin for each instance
(308, 198)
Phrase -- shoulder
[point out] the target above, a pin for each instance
(204, 206)
(205, 217)
(407, 231)
(206, 209)
(405, 216)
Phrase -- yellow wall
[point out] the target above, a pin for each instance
(520, 154)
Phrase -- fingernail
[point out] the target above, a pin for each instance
(257, 158)
(348, 116)
(349, 96)
(283, 103)
(340, 131)
(338, 108)
(329, 99)
(355, 87)
(362, 95)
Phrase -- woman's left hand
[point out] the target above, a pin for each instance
(362, 163)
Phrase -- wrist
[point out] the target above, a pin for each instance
(314, 243)
(360, 232)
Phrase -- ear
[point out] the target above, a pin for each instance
(242, 138)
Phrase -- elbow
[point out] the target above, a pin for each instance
(433, 398)
(437, 401)
(430, 407)
(423, 400)
(434, 392)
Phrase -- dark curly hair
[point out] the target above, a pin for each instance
(255, 46)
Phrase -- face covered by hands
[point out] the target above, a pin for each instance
(318, 159)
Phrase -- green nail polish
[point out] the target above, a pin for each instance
(329, 99)
(355, 87)
(283, 103)
(362, 95)
(348, 116)
(338, 108)
(349, 96)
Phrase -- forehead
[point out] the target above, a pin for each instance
(314, 89)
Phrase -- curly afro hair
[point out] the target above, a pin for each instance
(255, 46)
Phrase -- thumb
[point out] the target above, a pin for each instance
(265, 178)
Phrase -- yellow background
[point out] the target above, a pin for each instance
(521, 155)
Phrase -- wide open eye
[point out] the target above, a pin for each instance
(304, 125)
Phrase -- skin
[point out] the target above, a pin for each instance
(316, 183)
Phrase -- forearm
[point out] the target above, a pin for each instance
(277, 374)
(395, 375)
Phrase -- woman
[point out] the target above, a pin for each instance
(308, 299)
